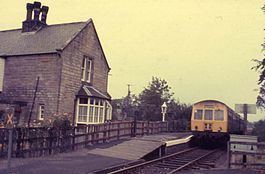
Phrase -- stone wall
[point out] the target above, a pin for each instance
(85, 44)
(20, 78)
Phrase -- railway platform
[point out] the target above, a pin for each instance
(94, 158)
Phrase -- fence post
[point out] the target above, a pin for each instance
(50, 141)
(73, 139)
(105, 132)
(147, 128)
(228, 154)
(118, 133)
(19, 135)
(92, 134)
(142, 128)
(109, 126)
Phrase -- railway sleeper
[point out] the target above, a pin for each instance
(179, 160)
(212, 164)
(159, 165)
(203, 166)
(176, 162)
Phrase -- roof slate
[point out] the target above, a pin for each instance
(90, 91)
(47, 40)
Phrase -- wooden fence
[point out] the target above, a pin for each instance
(246, 155)
(36, 142)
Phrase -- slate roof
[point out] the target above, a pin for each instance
(47, 40)
(90, 91)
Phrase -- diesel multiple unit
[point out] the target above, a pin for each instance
(215, 116)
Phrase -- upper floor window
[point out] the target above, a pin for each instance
(86, 69)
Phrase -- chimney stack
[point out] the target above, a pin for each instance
(37, 6)
(44, 12)
(35, 24)
(29, 11)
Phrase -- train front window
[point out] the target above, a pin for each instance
(208, 114)
(198, 114)
(219, 115)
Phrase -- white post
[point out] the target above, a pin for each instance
(163, 111)
(163, 118)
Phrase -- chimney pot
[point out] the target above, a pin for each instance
(29, 11)
(44, 13)
(37, 6)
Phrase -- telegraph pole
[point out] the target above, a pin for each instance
(128, 100)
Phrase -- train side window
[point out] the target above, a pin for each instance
(219, 115)
(198, 114)
(208, 114)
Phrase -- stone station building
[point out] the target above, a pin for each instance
(49, 71)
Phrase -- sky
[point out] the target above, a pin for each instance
(202, 48)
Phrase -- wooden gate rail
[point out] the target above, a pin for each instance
(245, 154)
(42, 141)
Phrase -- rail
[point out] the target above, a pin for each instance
(168, 164)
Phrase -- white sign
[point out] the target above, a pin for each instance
(251, 108)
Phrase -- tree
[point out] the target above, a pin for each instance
(259, 130)
(260, 67)
(179, 116)
(152, 97)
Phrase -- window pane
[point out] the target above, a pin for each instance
(198, 114)
(88, 65)
(91, 109)
(208, 114)
(83, 69)
(83, 101)
(96, 102)
(83, 63)
(82, 114)
(101, 115)
(88, 76)
(88, 70)
(218, 115)
(92, 101)
(96, 115)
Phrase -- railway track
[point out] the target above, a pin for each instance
(192, 158)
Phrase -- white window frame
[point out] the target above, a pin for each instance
(97, 108)
(41, 110)
(86, 69)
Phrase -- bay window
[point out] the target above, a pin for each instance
(92, 110)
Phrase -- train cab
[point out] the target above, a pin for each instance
(209, 116)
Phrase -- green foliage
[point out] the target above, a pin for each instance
(147, 106)
(152, 97)
(260, 68)
(259, 130)
(61, 123)
(179, 115)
